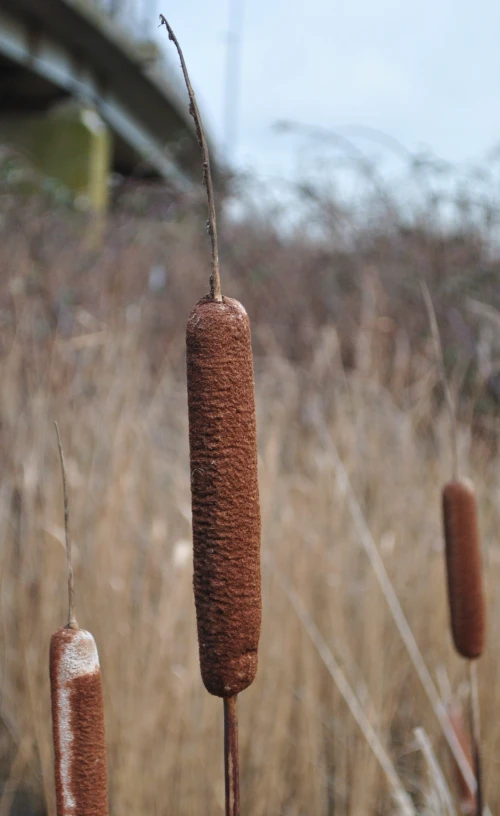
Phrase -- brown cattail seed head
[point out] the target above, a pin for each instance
(463, 564)
(225, 494)
(78, 725)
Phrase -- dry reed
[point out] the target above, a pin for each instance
(131, 531)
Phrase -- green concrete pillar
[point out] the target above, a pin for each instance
(72, 145)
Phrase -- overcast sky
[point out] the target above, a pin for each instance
(425, 73)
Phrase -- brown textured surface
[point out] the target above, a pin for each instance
(464, 570)
(86, 762)
(225, 495)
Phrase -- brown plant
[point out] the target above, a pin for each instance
(464, 569)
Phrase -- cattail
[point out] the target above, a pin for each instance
(464, 572)
(77, 708)
(224, 486)
(78, 724)
(463, 565)
(225, 494)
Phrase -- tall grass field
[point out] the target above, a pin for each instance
(354, 445)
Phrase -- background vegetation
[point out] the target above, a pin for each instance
(92, 334)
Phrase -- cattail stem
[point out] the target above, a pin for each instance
(72, 622)
(476, 732)
(215, 288)
(438, 347)
(231, 758)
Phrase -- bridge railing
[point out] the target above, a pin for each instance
(139, 19)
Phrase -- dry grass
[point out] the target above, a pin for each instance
(115, 383)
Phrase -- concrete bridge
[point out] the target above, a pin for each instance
(86, 76)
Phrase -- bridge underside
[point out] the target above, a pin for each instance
(24, 93)
(57, 50)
